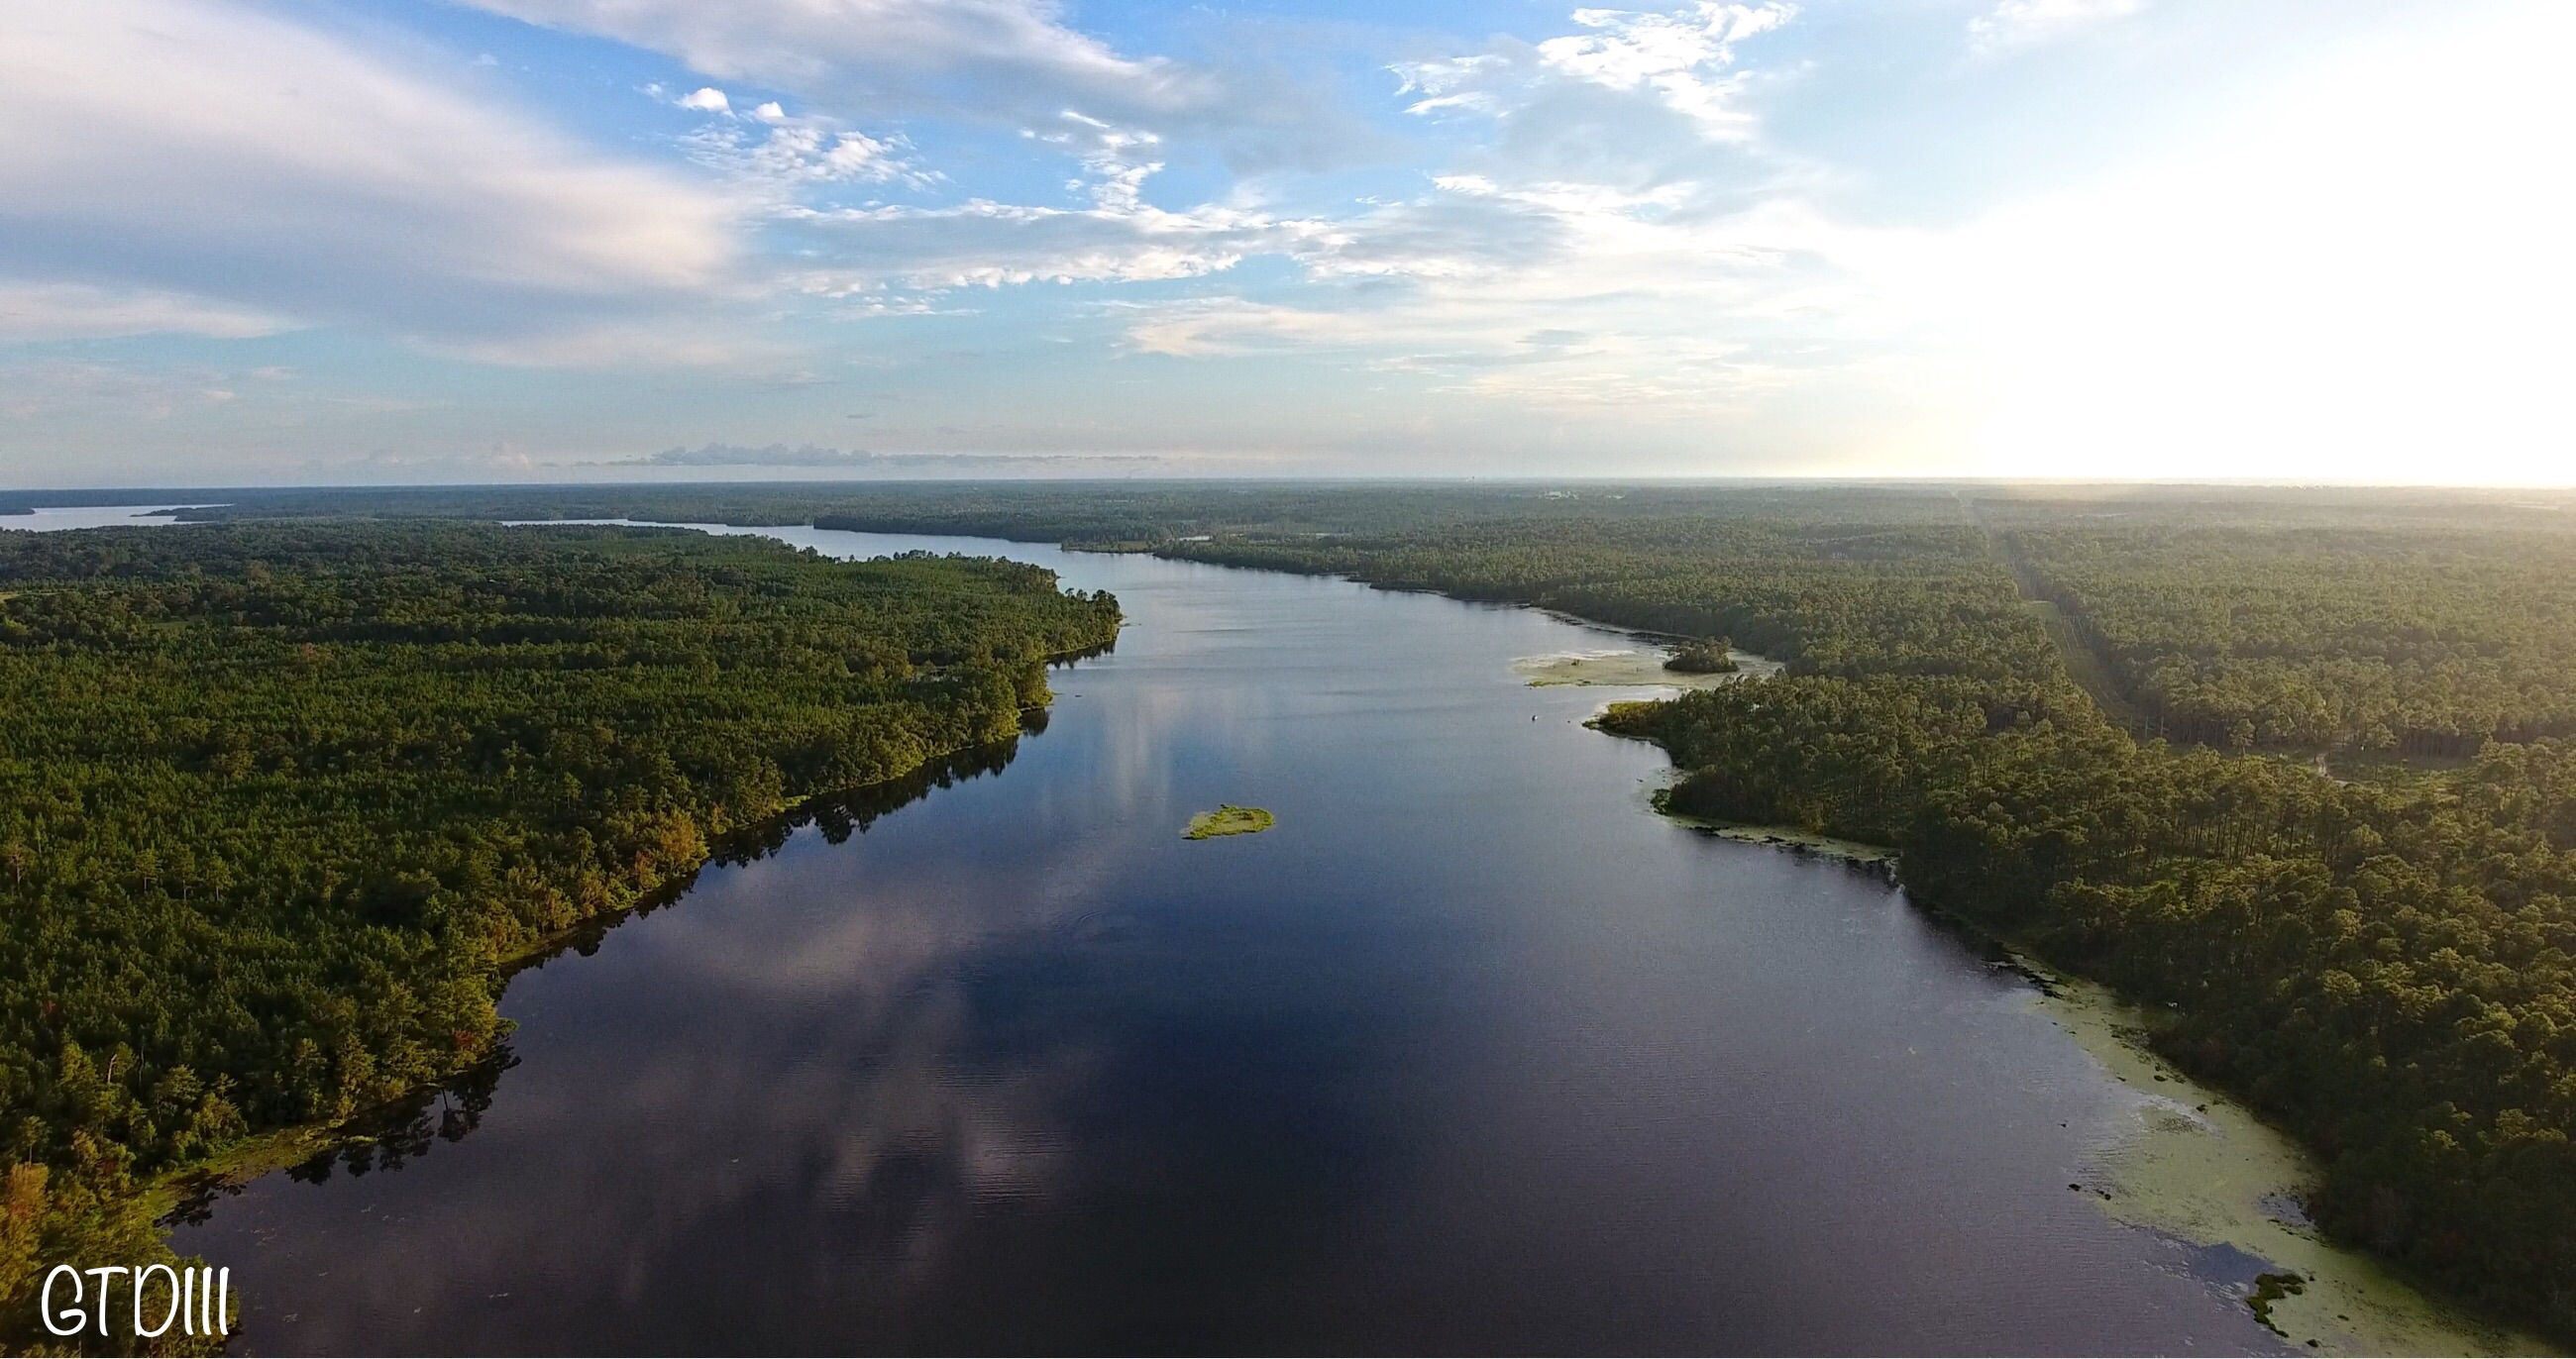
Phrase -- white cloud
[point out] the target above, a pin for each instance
(54, 388)
(1014, 59)
(790, 153)
(1680, 61)
(1613, 243)
(1013, 63)
(1607, 306)
(985, 243)
(2018, 23)
(74, 311)
(677, 339)
(982, 243)
(1640, 274)
(1676, 55)
(154, 151)
(1617, 242)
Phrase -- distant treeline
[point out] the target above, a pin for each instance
(279, 803)
(1083, 514)
(2407, 622)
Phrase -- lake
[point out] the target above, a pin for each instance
(1471, 1052)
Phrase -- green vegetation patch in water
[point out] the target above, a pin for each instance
(2192, 1164)
(2269, 1289)
(1792, 838)
(1229, 820)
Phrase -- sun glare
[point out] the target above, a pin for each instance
(2365, 280)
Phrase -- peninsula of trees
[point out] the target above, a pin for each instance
(280, 803)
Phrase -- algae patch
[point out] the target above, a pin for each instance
(2187, 1163)
(1795, 839)
(2269, 1289)
(1789, 838)
(1229, 820)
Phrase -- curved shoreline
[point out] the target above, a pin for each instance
(158, 1200)
(2189, 1163)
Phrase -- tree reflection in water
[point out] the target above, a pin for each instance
(395, 1135)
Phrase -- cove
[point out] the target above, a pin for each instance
(1470, 1052)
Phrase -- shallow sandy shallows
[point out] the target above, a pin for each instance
(1634, 668)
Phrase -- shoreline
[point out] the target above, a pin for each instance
(1790, 838)
(155, 1200)
(2191, 1164)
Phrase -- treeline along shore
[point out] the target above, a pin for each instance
(282, 802)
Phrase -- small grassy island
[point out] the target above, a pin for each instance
(1229, 820)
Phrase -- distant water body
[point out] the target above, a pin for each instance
(1471, 1052)
(90, 516)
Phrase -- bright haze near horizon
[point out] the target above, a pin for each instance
(490, 240)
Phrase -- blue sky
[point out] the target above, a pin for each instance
(306, 241)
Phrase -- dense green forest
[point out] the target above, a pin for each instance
(280, 803)
(2056, 705)
(2420, 641)
(1703, 656)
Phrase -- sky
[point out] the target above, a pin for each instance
(297, 241)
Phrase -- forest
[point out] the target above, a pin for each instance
(281, 803)
(2293, 770)
(2424, 642)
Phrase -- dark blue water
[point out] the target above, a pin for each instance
(1471, 1053)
